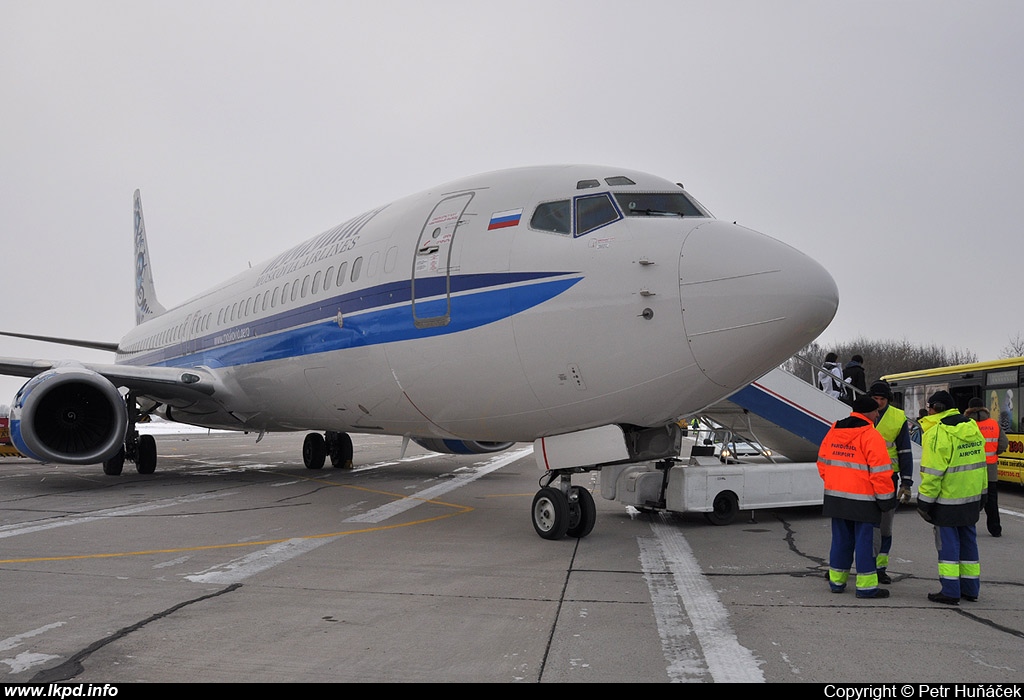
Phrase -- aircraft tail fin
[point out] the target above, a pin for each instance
(146, 305)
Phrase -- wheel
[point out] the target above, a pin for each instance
(550, 513)
(339, 447)
(582, 512)
(145, 457)
(314, 451)
(114, 465)
(726, 506)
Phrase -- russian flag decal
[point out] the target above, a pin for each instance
(505, 219)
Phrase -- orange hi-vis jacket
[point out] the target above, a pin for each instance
(990, 429)
(854, 463)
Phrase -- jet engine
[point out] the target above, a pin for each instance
(461, 447)
(70, 415)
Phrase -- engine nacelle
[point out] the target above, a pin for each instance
(461, 447)
(70, 415)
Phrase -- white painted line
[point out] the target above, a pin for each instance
(727, 660)
(242, 568)
(16, 640)
(403, 460)
(65, 521)
(677, 640)
(27, 659)
(390, 510)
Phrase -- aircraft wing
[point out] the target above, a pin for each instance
(160, 383)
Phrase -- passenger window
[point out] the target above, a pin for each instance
(342, 269)
(284, 292)
(305, 286)
(357, 265)
(594, 212)
(295, 289)
(328, 277)
(552, 216)
(316, 282)
(390, 258)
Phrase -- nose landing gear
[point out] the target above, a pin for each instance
(563, 509)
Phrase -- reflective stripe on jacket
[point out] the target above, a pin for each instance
(990, 430)
(856, 468)
(953, 471)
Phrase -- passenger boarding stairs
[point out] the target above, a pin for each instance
(784, 414)
(781, 412)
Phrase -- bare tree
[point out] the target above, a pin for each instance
(881, 357)
(1015, 348)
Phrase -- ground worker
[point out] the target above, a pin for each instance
(996, 442)
(893, 425)
(954, 479)
(855, 466)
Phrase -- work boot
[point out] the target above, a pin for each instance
(884, 577)
(879, 593)
(942, 598)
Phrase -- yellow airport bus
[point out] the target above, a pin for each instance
(997, 383)
(6, 448)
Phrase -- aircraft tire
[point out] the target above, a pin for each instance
(582, 514)
(314, 451)
(114, 465)
(726, 507)
(145, 457)
(550, 513)
(339, 447)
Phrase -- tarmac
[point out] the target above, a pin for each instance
(234, 563)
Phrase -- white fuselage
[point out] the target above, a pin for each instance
(461, 312)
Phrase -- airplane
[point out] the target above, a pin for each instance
(584, 308)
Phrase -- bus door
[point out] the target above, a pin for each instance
(432, 266)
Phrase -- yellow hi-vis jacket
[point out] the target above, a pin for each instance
(953, 472)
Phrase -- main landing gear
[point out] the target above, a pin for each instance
(316, 448)
(140, 449)
(563, 509)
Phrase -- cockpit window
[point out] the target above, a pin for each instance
(587, 184)
(594, 211)
(552, 216)
(618, 181)
(658, 204)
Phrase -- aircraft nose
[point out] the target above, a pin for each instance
(741, 289)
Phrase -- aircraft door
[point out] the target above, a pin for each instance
(432, 263)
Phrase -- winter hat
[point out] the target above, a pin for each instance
(943, 399)
(864, 404)
(880, 389)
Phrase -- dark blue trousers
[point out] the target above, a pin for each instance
(959, 565)
(852, 540)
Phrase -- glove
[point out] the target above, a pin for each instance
(984, 500)
(924, 511)
(904, 494)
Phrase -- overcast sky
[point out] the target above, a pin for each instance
(882, 138)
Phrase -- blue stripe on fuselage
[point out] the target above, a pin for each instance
(371, 316)
(785, 415)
